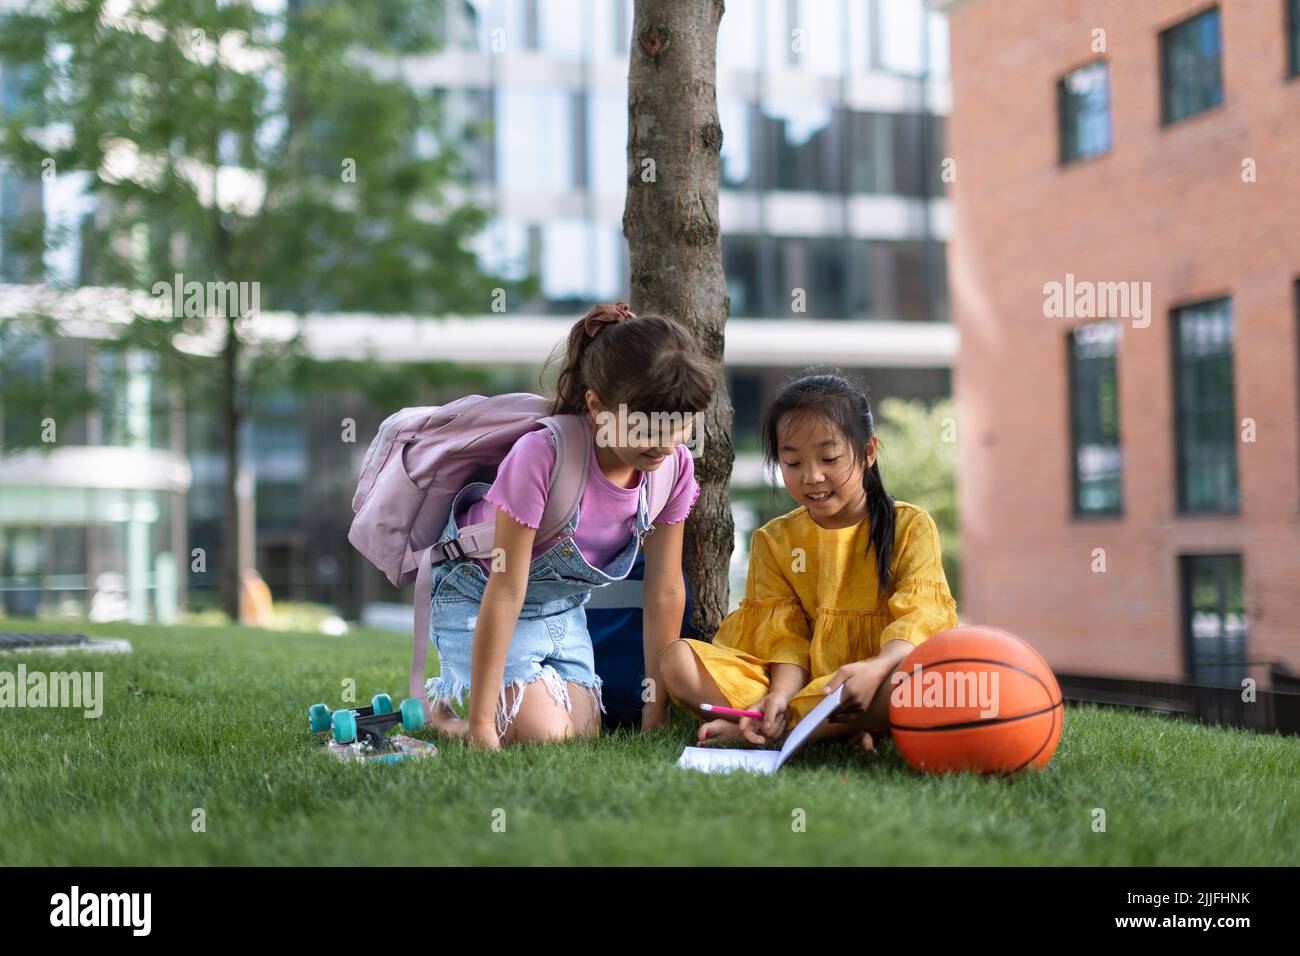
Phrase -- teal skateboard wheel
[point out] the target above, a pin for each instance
(382, 704)
(318, 715)
(412, 714)
(345, 726)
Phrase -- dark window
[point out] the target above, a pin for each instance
(740, 256)
(839, 278)
(1083, 99)
(1098, 463)
(808, 278)
(895, 154)
(801, 139)
(20, 90)
(897, 281)
(1214, 619)
(1206, 420)
(22, 368)
(1293, 36)
(1191, 68)
(22, 228)
(937, 152)
(746, 391)
(22, 559)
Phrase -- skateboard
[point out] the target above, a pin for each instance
(361, 732)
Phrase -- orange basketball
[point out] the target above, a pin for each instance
(975, 698)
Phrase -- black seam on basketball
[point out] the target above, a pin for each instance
(989, 722)
(985, 660)
(1050, 731)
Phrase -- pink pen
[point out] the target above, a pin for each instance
(715, 709)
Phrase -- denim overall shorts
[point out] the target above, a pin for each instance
(551, 642)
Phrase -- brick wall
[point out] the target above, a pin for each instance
(1166, 205)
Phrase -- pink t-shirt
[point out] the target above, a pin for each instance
(608, 512)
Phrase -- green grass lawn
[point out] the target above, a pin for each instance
(216, 719)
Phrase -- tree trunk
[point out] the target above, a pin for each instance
(674, 243)
(231, 418)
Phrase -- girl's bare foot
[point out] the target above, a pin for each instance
(445, 722)
(719, 730)
(864, 741)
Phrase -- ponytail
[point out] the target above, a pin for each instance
(570, 387)
(880, 514)
(648, 363)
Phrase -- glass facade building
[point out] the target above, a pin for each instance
(832, 115)
(92, 509)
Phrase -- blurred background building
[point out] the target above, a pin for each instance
(1129, 477)
(835, 233)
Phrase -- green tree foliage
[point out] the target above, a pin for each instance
(918, 461)
(230, 144)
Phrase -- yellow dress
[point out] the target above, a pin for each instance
(812, 599)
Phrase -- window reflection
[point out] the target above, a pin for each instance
(902, 45)
(1215, 618)
(1084, 105)
(803, 145)
(841, 278)
(1094, 397)
(552, 141)
(738, 37)
(822, 36)
(562, 28)
(1206, 429)
(607, 142)
(535, 140)
(738, 157)
(579, 261)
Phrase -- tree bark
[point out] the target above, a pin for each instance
(670, 221)
(231, 419)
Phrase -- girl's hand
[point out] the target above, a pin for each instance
(773, 706)
(860, 680)
(484, 735)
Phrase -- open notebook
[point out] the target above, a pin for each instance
(716, 760)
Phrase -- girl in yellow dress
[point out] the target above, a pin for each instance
(839, 590)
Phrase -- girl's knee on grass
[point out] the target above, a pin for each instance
(561, 710)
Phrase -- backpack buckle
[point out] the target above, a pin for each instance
(452, 550)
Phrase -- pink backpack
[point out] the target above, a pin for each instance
(423, 456)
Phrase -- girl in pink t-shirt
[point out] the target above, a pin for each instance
(517, 621)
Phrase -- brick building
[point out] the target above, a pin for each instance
(1125, 274)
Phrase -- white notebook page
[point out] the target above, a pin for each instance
(719, 760)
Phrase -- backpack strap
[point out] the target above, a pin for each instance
(420, 639)
(573, 440)
(564, 491)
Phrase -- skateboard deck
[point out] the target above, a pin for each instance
(401, 747)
